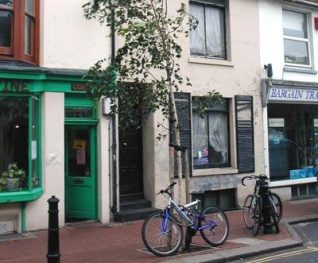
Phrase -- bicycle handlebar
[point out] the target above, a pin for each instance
(262, 177)
(178, 147)
(168, 189)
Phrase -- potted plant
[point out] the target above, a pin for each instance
(13, 175)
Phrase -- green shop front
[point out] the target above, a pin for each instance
(292, 123)
(49, 132)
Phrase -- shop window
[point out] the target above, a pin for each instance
(211, 137)
(208, 39)
(293, 141)
(19, 29)
(296, 38)
(19, 143)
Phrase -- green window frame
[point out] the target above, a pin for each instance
(31, 186)
(79, 110)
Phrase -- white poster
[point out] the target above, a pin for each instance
(33, 150)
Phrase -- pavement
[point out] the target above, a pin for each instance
(93, 242)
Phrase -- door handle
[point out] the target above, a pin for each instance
(78, 181)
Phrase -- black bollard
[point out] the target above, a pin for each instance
(267, 222)
(188, 238)
(53, 254)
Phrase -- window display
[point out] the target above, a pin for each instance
(293, 141)
(18, 143)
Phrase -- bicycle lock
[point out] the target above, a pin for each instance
(264, 193)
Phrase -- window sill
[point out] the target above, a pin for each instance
(214, 171)
(300, 70)
(292, 182)
(210, 61)
(21, 196)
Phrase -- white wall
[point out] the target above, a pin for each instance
(52, 162)
(272, 51)
(104, 172)
(238, 75)
(67, 39)
(271, 40)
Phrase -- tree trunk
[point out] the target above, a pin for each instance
(176, 130)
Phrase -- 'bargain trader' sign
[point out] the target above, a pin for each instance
(293, 94)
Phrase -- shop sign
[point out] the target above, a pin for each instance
(13, 85)
(292, 94)
(80, 86)
(78, 112)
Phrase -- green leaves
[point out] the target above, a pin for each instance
(202, 104)
(13, 172)
(146, 69)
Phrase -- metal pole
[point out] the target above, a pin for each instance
(267, 222)
(53, 254)
(189, 231)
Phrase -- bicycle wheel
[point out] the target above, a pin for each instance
(257, 215)
(214, 226)
(162, 236)
(248, 211)
(277, 205)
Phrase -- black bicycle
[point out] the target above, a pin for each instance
(253, 204)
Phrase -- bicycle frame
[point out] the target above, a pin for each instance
(163, 233)
(193, 224)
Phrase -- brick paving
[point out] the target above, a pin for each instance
(122, 243)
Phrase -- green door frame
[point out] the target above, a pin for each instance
(93, 172)
(82, 112)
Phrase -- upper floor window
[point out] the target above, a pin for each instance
(208, 39)
(211, 137)
(19, 28)
(296, 38)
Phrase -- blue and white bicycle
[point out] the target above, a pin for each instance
(162, 232)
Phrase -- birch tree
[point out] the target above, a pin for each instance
(148, 57)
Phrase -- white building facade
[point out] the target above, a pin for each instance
(289, 41)
(225, 144)
(48, 127)
(72, 148)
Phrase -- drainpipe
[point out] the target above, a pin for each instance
(114, 208)
(23, 217)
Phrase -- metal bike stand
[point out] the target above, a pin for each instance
(266, 220)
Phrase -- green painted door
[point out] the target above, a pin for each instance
(80, 172)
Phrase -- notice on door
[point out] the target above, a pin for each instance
(79, 144)
(80, 157)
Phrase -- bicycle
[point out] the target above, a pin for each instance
(162, 231)
(253, 204)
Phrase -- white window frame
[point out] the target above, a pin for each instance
(225, 165)
(307, 40)
(206, 3)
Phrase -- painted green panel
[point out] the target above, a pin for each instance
(44, 80)
(80, 172)
(21, 196)
(22, 75)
